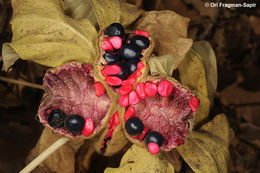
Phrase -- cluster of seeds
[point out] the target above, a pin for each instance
(134, 125)
(152, 101)
(122, 55)
(73, 123)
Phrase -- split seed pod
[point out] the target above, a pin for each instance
(71, 90)
(166, 109)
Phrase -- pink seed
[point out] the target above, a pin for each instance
(99, 88)
(143, 33)
(125, 89)
(153, 148)
(116, 42)
(111, 70)
(140, 65)
(116, 119)
(113, 81)
(107, 45)
(140, 90)
(165, 88)
(123, 101)
(129, 81)
(194, 103)
(142, 135)
(130, 112)
(88, 127)
(133, 98)
(150, 89)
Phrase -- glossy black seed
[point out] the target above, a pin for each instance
(124, 70)
(134, 126)
(132, 65)
(111, 57)
(56, 118)
(154, 137)
(74, 123)
(140, 41)
(130, 51)
(115, 29)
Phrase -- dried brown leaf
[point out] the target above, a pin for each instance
(169, 31)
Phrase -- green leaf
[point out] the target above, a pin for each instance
(206, 150)
(163, 65)
(138, 160)
(43, 34)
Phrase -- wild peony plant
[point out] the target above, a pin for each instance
(111, 83)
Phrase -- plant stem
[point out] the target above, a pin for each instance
(19, 82)
(39, 159)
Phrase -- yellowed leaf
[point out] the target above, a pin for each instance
(169, 31)
(44, 34)
(204, 49)
(64, 155)
(163, 65)
(206, 150)
(192, 72)
(138, 160)
(110, 11)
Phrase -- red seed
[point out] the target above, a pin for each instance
(165, 88)
(194, 103)
(143, 33)
(144, 132)
(116, 119)
(130, 112)
(140, 65)
(150, 89)
(111, 120)
(88, 127)
(135, 137)
(129, 81)
(125, 89)
(153, 148)
(111, 70)
(99, 88)
(179, 141)
(116, 42)
(113, 80)
(107, 45)
(123, 101)
(133, 98)
(138, 73)
(140, 90)
(103, 74)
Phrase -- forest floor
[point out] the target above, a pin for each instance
(234, 34)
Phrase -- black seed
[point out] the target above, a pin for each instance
(140, 41)
(134, 126)
(56, 118)
(132, 65)
(115, 29)
(74, 123)
(111, 57)
(154, 137)
(130, 51)
(124, 70)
